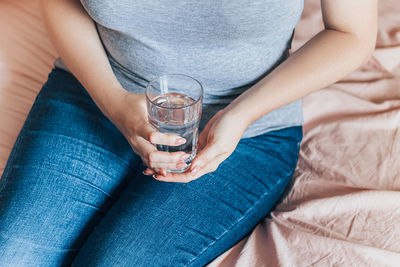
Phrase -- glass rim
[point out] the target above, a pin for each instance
(174, 74)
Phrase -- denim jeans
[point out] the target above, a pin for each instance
(73, 192)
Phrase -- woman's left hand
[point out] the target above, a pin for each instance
(217, 141)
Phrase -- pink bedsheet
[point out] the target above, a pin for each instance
(343, 206)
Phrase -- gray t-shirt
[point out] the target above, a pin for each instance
(226, 45)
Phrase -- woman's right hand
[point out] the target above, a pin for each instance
(67, 21)
(131, 118)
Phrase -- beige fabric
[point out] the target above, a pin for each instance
(343, 208)
(26, 57)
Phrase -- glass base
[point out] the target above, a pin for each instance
(188, 161)
(179, 170)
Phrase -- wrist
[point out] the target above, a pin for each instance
(239, 118)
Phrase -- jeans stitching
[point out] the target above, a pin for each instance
(252, 208)
(239, 220)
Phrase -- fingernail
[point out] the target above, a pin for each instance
(184, 156)
(180, 141)
(181, 165)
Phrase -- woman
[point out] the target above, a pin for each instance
(85, 185)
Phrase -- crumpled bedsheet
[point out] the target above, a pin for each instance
(343, 205)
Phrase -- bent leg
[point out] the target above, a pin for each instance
(155, 223)
(65, 169)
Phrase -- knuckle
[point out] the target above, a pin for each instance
(152, 137)
(145, 162)
(132, 141)
(150, 156)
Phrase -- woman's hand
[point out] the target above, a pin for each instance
(216, 143)
(130, 117)
(67, 22)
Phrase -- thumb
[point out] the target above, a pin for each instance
(203, 136)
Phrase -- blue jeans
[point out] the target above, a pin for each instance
(73, 192)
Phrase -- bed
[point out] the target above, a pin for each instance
(342, 207)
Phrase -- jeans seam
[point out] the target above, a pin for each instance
(252, 208)
(239, 220)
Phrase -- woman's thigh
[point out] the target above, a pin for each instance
(65, 169)
(156, 223)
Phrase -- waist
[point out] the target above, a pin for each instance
(220, 88)
(285, 116)
(215, 100)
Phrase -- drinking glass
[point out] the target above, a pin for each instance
(174, 105)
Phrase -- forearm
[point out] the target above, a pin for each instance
(326, 58)
(76, 40)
